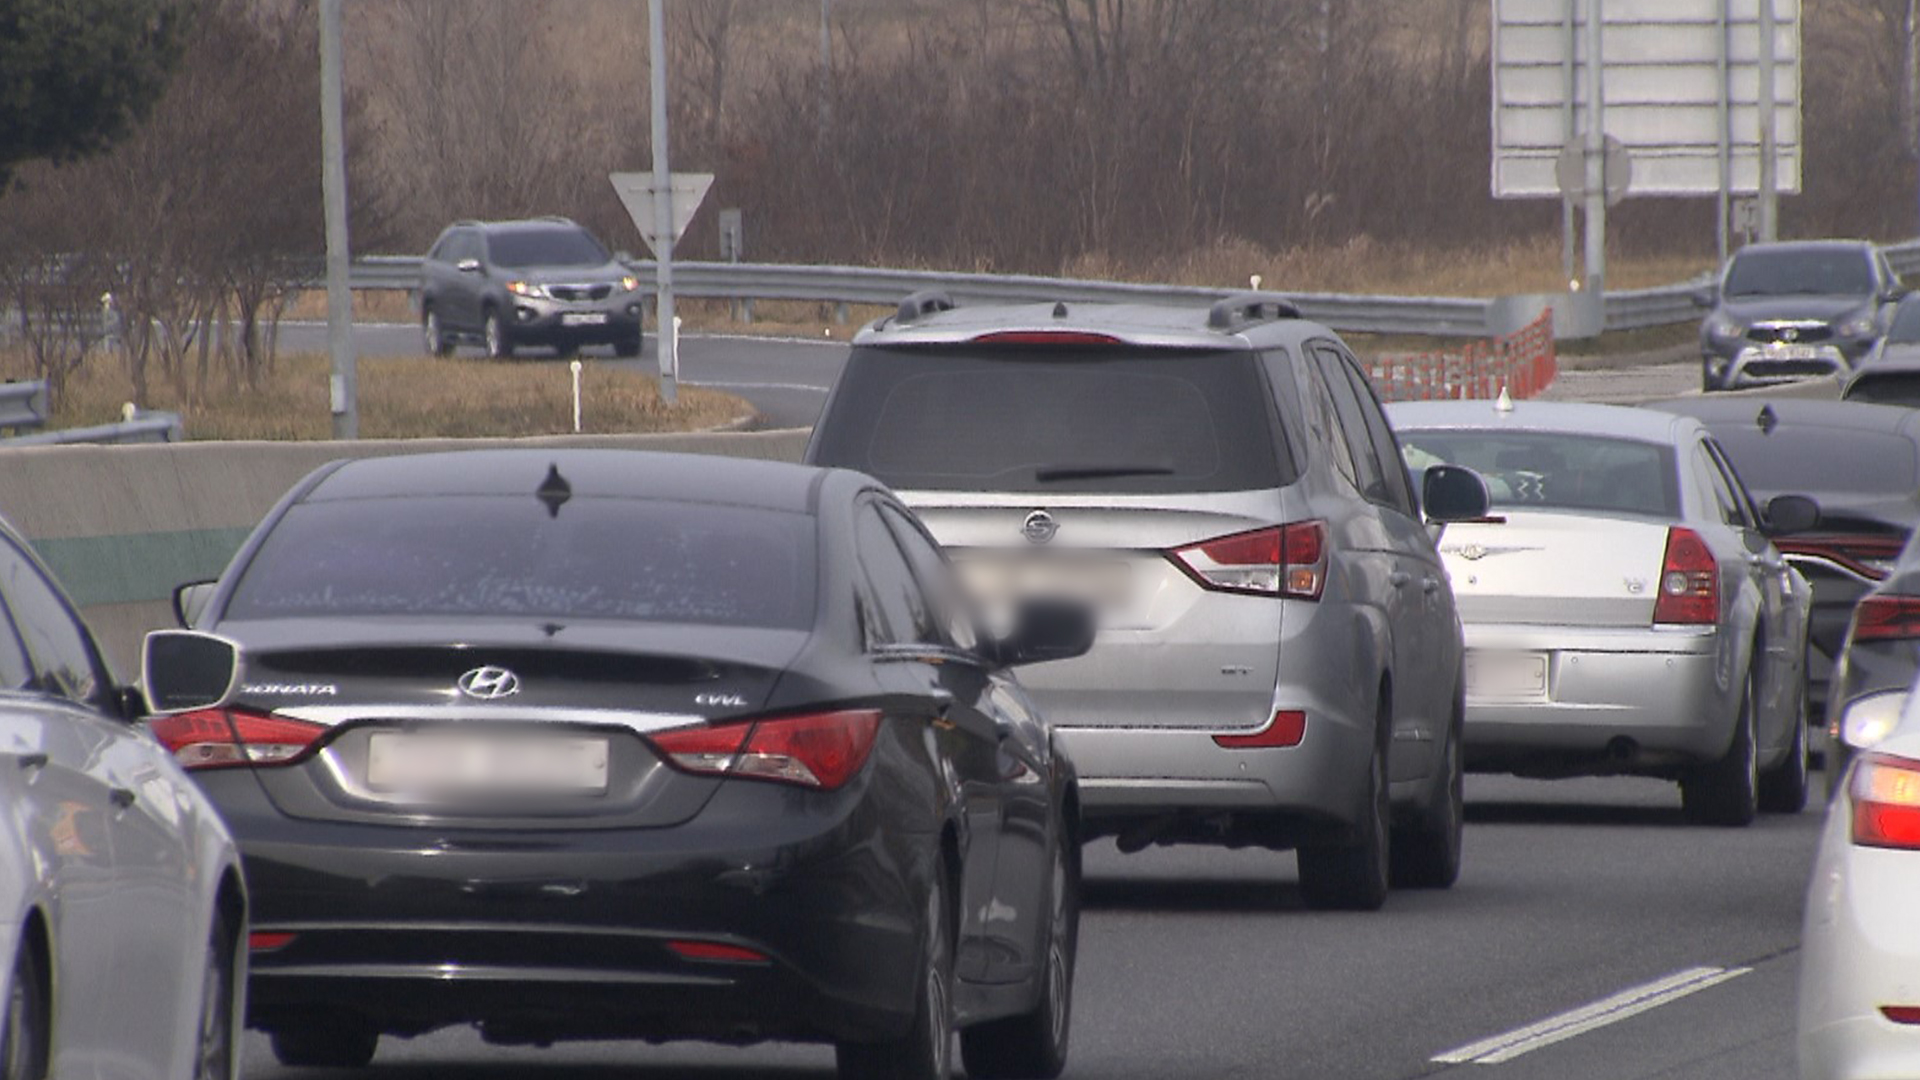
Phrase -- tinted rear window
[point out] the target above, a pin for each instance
(545, 247)
(494, 555)
(1820, 459)
(1551, 470)
(1135, 422)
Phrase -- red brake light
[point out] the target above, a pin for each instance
(1289, 560)
(1870, 557)
(268, 941)
(1286, 728)
(1886, 802)
(717, 952)
(1887, 618)
(817, 750)
(1901, 1014)
(1045, 337)
(220, 738)
(1689, 581)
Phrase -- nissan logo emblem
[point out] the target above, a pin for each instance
(489, 683)
(1039, 527)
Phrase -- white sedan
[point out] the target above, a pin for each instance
(1860, 947)
(123, 953)
(1624, 608)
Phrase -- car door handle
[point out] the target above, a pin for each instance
(1399, 578)
(31, 762)
(122, 798)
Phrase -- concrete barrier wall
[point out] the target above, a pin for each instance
(123, 525)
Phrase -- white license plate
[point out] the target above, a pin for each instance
(1103, 583)
(442, 763)
(584, 318)
(1506, 674)
(1792, 352)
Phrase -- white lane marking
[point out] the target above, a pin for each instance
(1629, 1002)
(758, 386)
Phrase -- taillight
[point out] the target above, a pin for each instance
(1887, 618)
(1288, 560)
(1287, 728)
(1689, 581)
(268, 940)
(1901, 1014)
(717, 952)
(816, 750)
(219, 738)
(1886, 802)
(1870, 557)
(1055, 338)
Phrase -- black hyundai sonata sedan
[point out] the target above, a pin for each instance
(606, 744)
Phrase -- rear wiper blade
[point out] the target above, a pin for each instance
(1096, 472)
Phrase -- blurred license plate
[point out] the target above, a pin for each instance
(452, 763)
(589, 318)
(1791, 352)
(1103, 583)
(1506, 674)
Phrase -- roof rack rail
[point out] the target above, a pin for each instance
(1241, 308)
(922, 303)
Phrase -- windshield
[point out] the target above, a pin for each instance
(1550, 470)
(1810, 271)
(558, 246)
(497, 555)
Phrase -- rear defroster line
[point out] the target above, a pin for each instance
(1626, 1003)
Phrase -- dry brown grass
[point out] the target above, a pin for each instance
(410, 398)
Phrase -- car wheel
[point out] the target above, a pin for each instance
(324, 1042)
(925, 1051)
(437, 341)
(1033, 1045)
(219, 1002)
(1727, 792)
(25, 1046)
(1426, 854)
(628, 348)
(499, 345)
(1783, 788)
(1352, 876)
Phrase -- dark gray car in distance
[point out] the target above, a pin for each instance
(542, 282)
(1793, 310)
(1890, 375)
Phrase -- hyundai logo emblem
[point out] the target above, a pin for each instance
(1039, 527)
(489, 683)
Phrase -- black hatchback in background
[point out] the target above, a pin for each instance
(605, 744)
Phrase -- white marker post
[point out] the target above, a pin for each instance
(575, 368)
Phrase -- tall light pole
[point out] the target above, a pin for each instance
(666, 342)
(343, 388)
(1596, 156)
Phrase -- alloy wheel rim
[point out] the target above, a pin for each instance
(493, 335)
(433, 331)
(1057, 987)
(17, 1050)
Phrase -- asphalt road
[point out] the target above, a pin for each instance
(1593, 935)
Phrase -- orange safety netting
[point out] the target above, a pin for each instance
(1522, 363)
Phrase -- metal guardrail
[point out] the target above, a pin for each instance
(1440, 316)
(150, 427)
(23, 405)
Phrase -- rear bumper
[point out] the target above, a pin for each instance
(1614, 702)
(554, 935)
(1860, 949)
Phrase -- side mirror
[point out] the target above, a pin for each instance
(468, 266)
(1789, 514)
(1046, 629)
(1705, 296)
(190, 602)
(1454, 493)
(186, 669)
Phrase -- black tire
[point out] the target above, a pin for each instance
(925, 1051)
(1353, 876)
(215, 1057)
(499, 344)
(1426, 853)
(1033, 1045)
(322, 1042)
(1727, 792)
(628, 348)
(433, 334)
(26, 1042)
(1783, 788)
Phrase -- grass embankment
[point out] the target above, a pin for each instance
(402, 398)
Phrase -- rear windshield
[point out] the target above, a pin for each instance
(1081, 421)
(545, 247)
(1813, 271)
(1820, 459)
(494, 555)
(1551, 470)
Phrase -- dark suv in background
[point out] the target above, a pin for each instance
(547, 282)
(1793, 310)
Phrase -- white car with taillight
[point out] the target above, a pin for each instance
(1626, 611)
(1860, 946)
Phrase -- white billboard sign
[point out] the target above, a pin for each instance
(1680, 76)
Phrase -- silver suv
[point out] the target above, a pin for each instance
(1279, 660)
(543, 282)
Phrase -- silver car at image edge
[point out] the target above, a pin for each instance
(1625, 609)
(124, 951)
